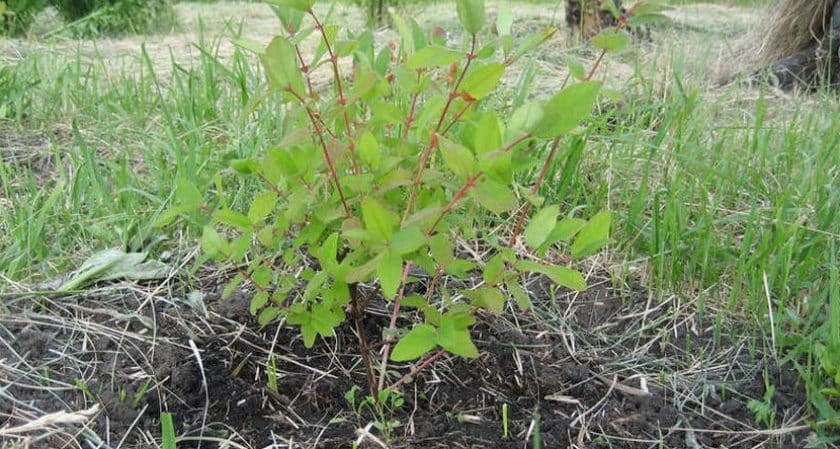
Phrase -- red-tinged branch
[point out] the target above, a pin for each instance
(342, 100)
(411, 111)
(304, 68)
(386, 350)
(523, 213)
(469, 184)
(457, 117)
(327, 158)
(433, 138)
(423, 365)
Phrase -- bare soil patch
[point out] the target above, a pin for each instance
(607, 368)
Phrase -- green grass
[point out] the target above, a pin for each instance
(734, 204)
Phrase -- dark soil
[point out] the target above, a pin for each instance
(603, 369)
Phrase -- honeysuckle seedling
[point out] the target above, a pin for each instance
(382, 174)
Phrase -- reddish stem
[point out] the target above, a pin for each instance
(520, 221)
(425, 364)
(327, 156)
(386, 350)
(433, 139)
(339, 89)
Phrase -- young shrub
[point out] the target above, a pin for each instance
(382, 176)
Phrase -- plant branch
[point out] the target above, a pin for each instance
(523, 213)
(434, 137)
(386, 350)
(326, 151)
(342, 101)
(357, 310)
(423, 365)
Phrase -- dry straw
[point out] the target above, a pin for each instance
(789, 27)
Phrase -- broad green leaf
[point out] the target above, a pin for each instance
(268, 315)
(565, 230)
(611, 40)
(232, 218)
(593, 236)
(525, 119)
(262, 206)
(472, 15)
(494, 196)
(457, 157)
(309, 334)
(369, 150)
(245, 166)
(282, 67)
(540, 226)
(261, 276)
(414, 344)
(390, 270)
(433, 56)
(488, 298)
(575, 67)
(455, 339)
(363, 272)
(300, 5)
(567, 109)
(494, 269)
(497, 165)
(407, 241)
(259, 301)
(523, 301)
(563, 276)
(441, 249)
(379, 221)
(481, 81)
(211, 241)
(488, 135)
(232, 285)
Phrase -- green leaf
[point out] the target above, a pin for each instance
(494, 196)
(497, 165)
(413, 345)
(540, 226)
(593, 236)
(261, 275)
(249, 45)
(565, 230)
(525, 119)
(390, 270)
(268, 315)
(211, 241)
(454, 338)
(232, 285)
(488, 135)
(259, 301)
(481, 81)
(523, 301)
(369, 150)
(112, 264)
(300, 5)
(282, 67)
(494, 269)
(611, 40)
(457, 157)
(232, 218)
(486, 297)
(567, 109)
(379, 221)
(472, 15)
(433, 56)
(188, 194)
(575, 67)
(441, 249)
(407, 241)
(563, 276)
(167, 427)
(262, 206)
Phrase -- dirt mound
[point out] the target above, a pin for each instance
(607, 368)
